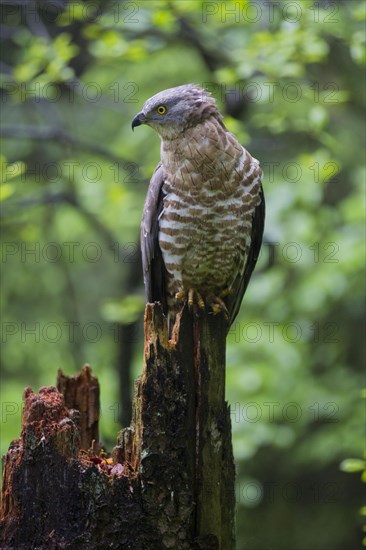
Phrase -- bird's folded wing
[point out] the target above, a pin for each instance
(152, 260)
(242, 280)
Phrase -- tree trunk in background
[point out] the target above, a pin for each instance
(171, 481)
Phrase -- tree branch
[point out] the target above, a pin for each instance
(61, 135)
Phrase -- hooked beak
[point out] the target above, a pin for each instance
(138, 120)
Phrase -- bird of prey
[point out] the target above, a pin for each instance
(203, 217)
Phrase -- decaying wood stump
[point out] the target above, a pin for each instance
(81, 392)
(169, 482)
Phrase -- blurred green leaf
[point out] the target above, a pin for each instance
(289, 79)
(352, 465)
(124, 311)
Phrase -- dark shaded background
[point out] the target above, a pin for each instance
(289, 79)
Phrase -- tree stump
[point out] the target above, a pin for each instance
(169, 483)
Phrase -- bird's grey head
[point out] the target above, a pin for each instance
(172, 111)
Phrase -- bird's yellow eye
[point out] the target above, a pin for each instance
(161, 109)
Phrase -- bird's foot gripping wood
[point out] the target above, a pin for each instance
(217, 304)
(193, 297)
(196, 302)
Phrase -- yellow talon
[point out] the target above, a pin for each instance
(194, 299)
(180, 296)
(217, 304)
(201, 303)
(225, 292)
(190, 298)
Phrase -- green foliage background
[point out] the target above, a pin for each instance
(289, 77)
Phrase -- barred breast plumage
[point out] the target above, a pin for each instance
(211, 189)
(204, 213)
